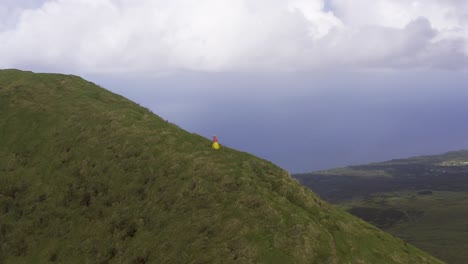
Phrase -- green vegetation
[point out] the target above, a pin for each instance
(445, 172)
(424, 201)
(87, 176)
(355, 172)
(435, 222)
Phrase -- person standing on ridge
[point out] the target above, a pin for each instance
(215, 143)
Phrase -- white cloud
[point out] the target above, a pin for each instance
(232, 35)
(443, 14)
(10, 10)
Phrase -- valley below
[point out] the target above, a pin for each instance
(433, 221)
(422, 200)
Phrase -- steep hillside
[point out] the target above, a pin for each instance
(87, 176)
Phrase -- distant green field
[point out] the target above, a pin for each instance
(446, 172)
(423, 200)
(436, 223)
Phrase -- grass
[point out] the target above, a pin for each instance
(87, 176)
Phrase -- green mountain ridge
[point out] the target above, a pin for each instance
(87, 176)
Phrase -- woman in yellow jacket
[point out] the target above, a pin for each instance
(215, 143)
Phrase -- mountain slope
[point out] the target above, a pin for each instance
(87, 176)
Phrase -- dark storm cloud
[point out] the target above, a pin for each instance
(316, 121)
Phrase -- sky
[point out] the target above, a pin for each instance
(307, 84)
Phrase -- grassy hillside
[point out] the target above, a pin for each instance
(423, 200)
(87, 176)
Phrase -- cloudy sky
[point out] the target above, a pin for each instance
(233, 35)
(308, 84)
